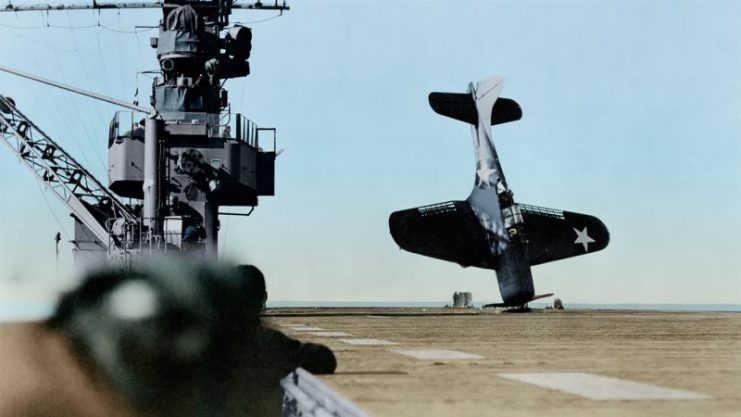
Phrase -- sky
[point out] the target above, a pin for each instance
(631, 113)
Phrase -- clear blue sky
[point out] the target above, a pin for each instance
(632, 113)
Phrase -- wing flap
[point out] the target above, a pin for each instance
(556, 234)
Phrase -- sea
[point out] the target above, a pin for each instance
(23, 312)
(580, 306)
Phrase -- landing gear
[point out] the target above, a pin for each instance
(510, 309)
(519, 309)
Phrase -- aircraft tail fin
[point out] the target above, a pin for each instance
(461, 106)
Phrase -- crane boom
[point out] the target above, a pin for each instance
(62, 174)
(75, 90)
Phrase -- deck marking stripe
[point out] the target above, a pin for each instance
(597, 387)
(307, 329)
(377, 317)
(432, 354)
(331, 334)
(368, 342)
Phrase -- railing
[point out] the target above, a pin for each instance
(245, 130)
(125, 124)
(262, 130)
(128, 124)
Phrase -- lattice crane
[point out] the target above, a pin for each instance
(113, 224)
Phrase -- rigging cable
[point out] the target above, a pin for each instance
(119, 47)
(102, 61)
(58, 112)
(135, 31)
(254, 22)
(78, 114)
(84, 68)
(72, 27)
(47, 46)
(98, 111)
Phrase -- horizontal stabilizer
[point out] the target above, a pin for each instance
(460, 106)
(557, 234)
(449, 231)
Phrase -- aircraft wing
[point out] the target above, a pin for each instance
(449, 231)
(556, 234)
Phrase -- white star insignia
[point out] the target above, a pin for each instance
(484, 174)
(583, 238)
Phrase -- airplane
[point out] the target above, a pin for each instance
(489, 229)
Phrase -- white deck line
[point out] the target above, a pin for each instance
(368, 342)
(597, 387)
(436, 354)
(331, 334)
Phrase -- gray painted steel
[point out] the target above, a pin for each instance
(126, 157)
(152, 174)
(306, 396)
(185, 161)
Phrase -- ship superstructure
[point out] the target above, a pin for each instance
(176, 163)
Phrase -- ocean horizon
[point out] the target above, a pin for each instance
(537, 305)
(16, 312)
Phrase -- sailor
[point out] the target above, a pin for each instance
(227, 132)
(138, 130)
(500, 187)
(313, 357)
(194, 233)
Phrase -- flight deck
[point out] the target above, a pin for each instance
(395, 362)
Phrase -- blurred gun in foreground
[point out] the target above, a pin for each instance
(167, 339)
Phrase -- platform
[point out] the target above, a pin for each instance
(396, 362)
